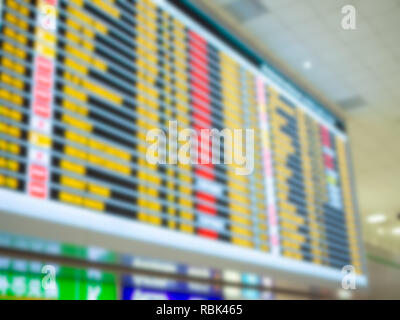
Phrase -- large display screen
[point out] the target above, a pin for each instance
(84, 82)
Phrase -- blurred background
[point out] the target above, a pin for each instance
(355, 73)
(358, 73)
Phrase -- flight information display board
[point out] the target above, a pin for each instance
(83, 82)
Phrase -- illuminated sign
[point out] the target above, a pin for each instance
(83, 82)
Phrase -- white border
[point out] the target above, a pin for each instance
(19, 205)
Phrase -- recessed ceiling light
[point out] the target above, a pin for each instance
(307, 64)
(376, 218)
(396, 231)
(246, 10)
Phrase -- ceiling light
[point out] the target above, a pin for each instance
(307, 64)
(376, 218)
(396, 231)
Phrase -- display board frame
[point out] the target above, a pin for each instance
(51, 220)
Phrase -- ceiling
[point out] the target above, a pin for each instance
(358, 71)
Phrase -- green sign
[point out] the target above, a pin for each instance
(84, 285)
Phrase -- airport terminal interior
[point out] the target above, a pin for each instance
(199, 149)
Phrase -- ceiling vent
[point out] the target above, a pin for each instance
(352, 103)
(246, 10)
